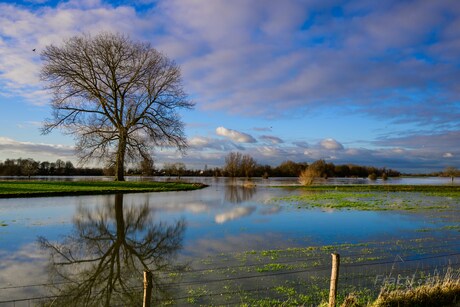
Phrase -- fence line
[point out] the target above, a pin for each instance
(364, 273)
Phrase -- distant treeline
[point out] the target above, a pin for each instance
(30, 167)
(236, 165)
(239, 165)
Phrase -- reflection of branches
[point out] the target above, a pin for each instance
(103, 259)
(237, 194)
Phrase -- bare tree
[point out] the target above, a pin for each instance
(118, 97)
(248, 164)
(233, 163)
(451, 172)
(147, 166)
(28, 167)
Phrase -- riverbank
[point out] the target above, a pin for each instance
(16, 189)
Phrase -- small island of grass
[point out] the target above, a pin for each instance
(12, 189)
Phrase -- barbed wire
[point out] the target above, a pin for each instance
(410, 258)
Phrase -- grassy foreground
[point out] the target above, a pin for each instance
(443, 293)
(12, 189)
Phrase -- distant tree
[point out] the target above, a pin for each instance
(342, 171)
(52, 169)
(232, 164)
(60, 167)
(290, 168)
(69, 169)
(44, 168)
(451, 172)
(10, 167)
(118, 97)
(147, 166)
(174, 169)
(248, 165)
(180, 169)
(319, 167)
(29, 167)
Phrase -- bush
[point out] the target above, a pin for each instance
(307, 176)
(372, 176)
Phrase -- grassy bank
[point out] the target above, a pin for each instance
(12, 189)
(443, 293)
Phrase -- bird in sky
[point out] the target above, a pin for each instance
(33, 50)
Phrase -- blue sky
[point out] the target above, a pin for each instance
(363, 82)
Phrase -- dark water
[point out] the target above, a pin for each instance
(155, 229)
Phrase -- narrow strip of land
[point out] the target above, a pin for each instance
(378, 188)
(13, 189)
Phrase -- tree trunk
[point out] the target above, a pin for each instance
(120, 166)
(119, 217)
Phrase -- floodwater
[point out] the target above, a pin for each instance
(37, 235)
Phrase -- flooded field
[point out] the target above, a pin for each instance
(226, 244)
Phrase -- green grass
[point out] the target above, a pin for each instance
(453, 190)
(299, 276)
(443, 292)
(374, 197)
(11, 189)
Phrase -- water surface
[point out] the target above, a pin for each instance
(225, 217)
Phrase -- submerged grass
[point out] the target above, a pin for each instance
(299, 276)
(454, 189)
(375, 197)
(11, 189)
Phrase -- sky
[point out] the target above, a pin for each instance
(362, 82)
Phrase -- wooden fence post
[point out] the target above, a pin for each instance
(334, 279)
(147, 288)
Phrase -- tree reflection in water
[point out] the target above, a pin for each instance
(236, 193)
(101, 262)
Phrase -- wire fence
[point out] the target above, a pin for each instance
(297, 276)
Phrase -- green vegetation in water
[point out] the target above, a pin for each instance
(375, 198)
(299, 276)
(10, 189)
(443, 228)
(432, 189)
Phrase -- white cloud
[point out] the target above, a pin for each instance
(270, 151)
(260, 58)
(23, 29)
(271, 139)
(398, 150)
(256, 57)
(234, 135)
(199, 143)
(331, 144)
(301, 144)
(10, 148)
(233, 214)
